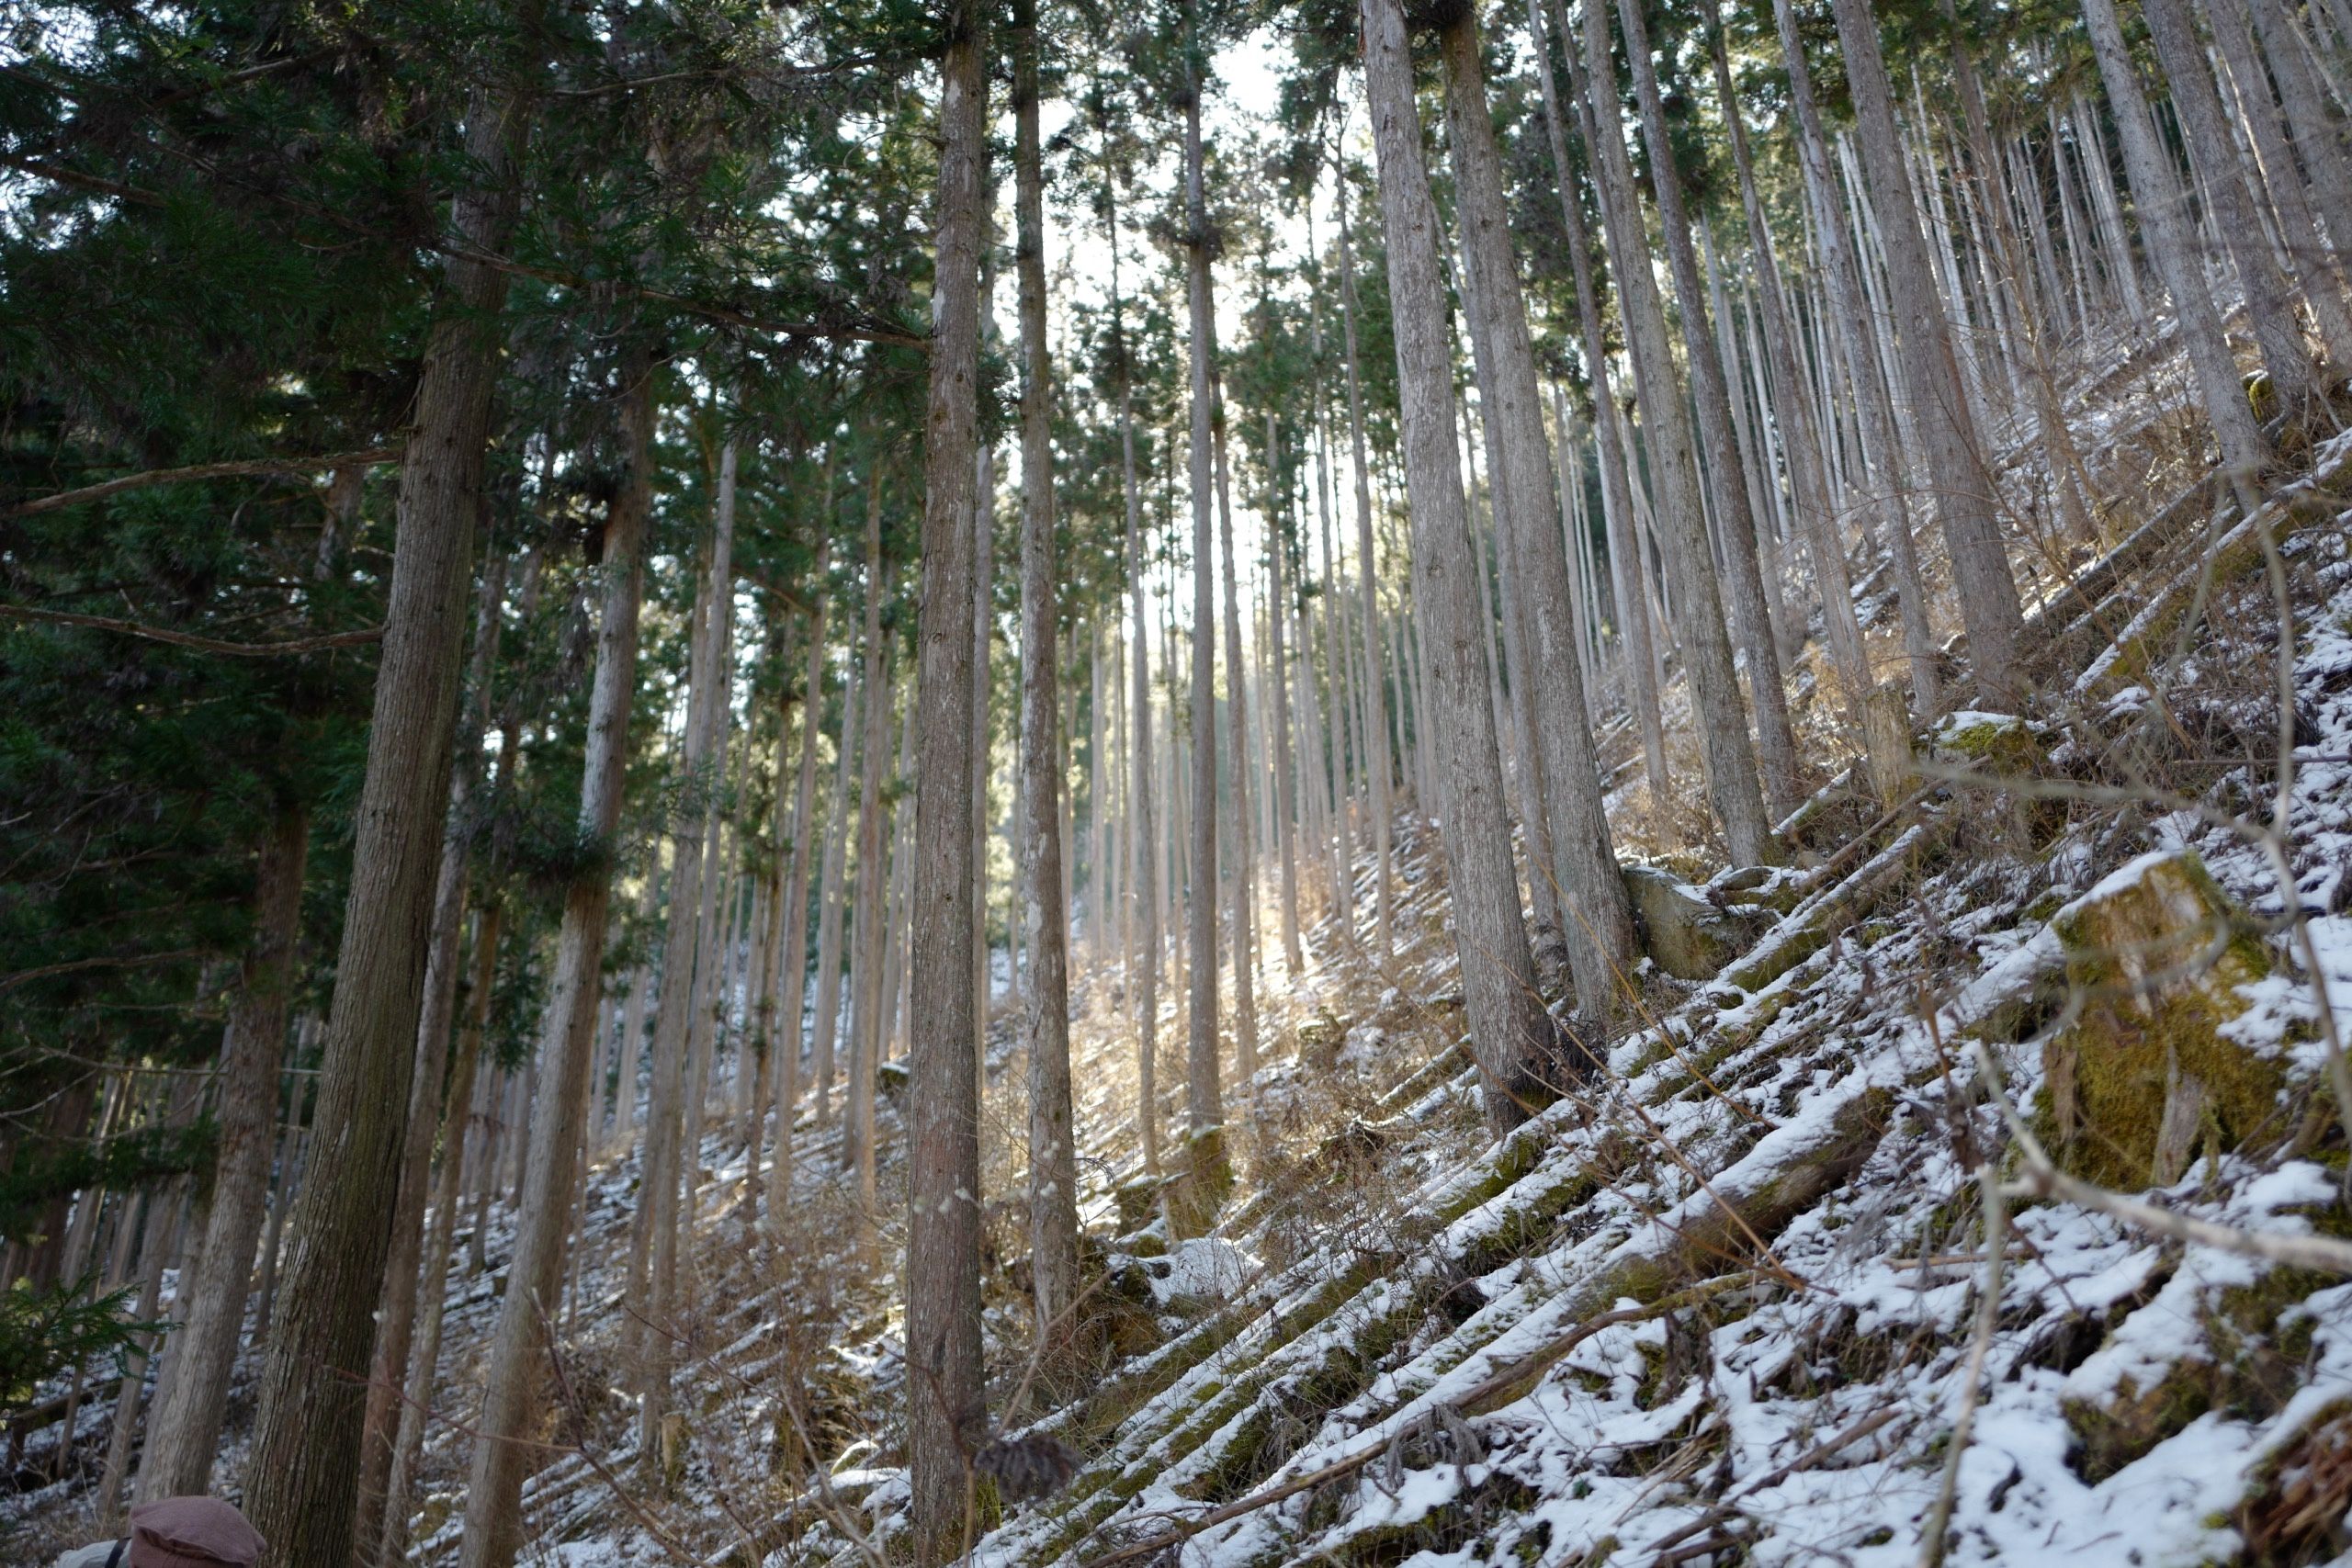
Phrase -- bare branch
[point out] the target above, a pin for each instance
(239, 469)
(188, 639)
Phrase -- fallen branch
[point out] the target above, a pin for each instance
(188, 639)
(1771, 1478)
(239, 469)
(1479, 1399)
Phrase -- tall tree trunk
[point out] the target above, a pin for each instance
(1634, 628)
(1775, 749)
(795, 979)
(515, 1397)
(302, 1493)
(1045, 1025)
(1376, 758)
(1143, 883)
(1598, 924)
(654, 1241)
(1958, 464)
(873, 868)
(1809, 486)
(1724, 749)
(186, 1428)
(2309, 118)
(396, 1320)
(946, 1399)
(1242, 882)
(1204, 1100)
(1514, 1038)
(1873, 417)
(2205, 125)
(2172, 247)
(1278, 684)
(408, 1446)
(831, 896)
(162, 1205)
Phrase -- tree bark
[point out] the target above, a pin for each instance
(1958, 464)
(1724, 749)
(795, 979)
(408, 1446)
(513, 1400)
(396, 1320)
(685, 952)
(1053, 1155)
(186, 1428)
(1204, 1099)
(1875, 417)
(2205, 131)
(1809, 486)
(1634, 628)
(946, 1399)
(2172, 247)
(302, 1494)
(1775, 749)
(1376, 759)
(1598, 924)
(1513, 1037)
(873, 869)
(1242, 880)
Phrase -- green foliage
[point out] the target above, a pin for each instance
(42, 1333)
(38, 1173)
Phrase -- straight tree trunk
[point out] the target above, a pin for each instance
(1513, 1037)
(1598, 924)
(831, 896)
(186, 1428)
(440, 1243)
(515, 1397)
(946, 1398)
(302, 1493)
(1203, 1098)
(1874, 418)
(795, 979)
(1242, 882)
(2205, 126)
(1634, 630)
(2309, 121)
(2172, 247)
(1045, 1025)
(1957, 461)
(1809, 486)
(873, 868)
(1775, 748)
(1729, 755)
(693, 871)
(1375, 700)
(1285, 773)
(396, 1320)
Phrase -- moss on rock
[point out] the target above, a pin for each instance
(2145, 1078)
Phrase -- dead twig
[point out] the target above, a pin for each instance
(1988, 1317)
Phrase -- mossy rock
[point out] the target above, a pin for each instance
(890, 1081)
(2145, 1078)
(2247, 1368)
(1997, 743)
(1684, 932)
(1192, 1198)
